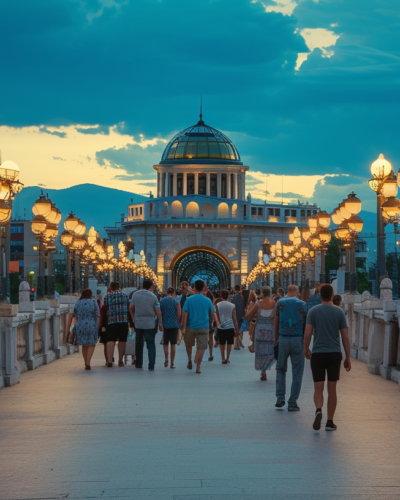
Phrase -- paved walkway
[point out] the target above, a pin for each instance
(174, 435)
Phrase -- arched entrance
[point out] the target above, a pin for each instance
(201, 263)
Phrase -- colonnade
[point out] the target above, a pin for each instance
(233, 184)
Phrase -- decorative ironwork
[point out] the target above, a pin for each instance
(204, 265)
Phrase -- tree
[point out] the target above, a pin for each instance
(332, 258)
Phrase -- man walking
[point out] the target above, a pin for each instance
(289, 323)
(143, 309)
(238, 302)
(117, 323)
(196, 323)
(325, 321)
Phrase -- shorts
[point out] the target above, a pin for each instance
(170, 336)
(201, 335)
(329, 362)
(115, 332)
(226, 336)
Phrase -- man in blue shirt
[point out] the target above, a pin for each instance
(196, 323)
(289, 324)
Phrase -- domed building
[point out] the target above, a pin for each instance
(201, 225)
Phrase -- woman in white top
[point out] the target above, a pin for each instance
(228, 329)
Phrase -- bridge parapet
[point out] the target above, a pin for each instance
(33, 334)
(374, 330)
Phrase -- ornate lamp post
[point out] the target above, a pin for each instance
(74, 242)
(381, 183)
(9, 188)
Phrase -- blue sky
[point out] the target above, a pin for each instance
(92, 90)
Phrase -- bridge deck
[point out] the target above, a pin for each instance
(175, 435)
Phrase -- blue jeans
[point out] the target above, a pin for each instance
(293, 347)
(148, 336)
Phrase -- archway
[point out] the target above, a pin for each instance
(223, 211)
(176, 209)
(208, 211)
(201, 263)
(192, 209)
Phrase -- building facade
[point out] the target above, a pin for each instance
(201, 224)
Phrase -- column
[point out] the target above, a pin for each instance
(239, 186)
(175, 184)
(235, 193)
(196, 183)
(184, 183)
(158, 184)
(162, 184)
(228, 185)
(244, 185)
(219, 184)
(208, 183)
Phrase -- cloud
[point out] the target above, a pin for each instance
(285, 7)
(85, 158)
(52, 131)
(316, 38)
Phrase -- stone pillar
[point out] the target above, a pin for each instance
(158, 185)
(208, 183)
(9, 375)
(219, 184)
(228, 185)
(196, 183)
(184, 183)
(236, 194)
(175, 184)
(162, 181)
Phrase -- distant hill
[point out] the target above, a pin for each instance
(96, 205)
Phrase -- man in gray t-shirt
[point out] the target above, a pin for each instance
(143, 309)
(327, 322)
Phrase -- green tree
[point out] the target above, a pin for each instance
(332, 258)
(15, 281)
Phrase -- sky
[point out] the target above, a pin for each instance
(308, 90)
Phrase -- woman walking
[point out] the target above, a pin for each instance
(250, 300)
(171, 313)
(210, 296)
(86, 312)
(263, 337)
(228, 329)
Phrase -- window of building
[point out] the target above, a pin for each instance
(308, 213)
(314, 212)
(190, 183)
(233, 186)
(141, 210)
(180, 184)
(213, 184)
(278, 212)
(136, 211)
(223, 186)
(302, 213)
(17, 228)
(294, 213)
(202, 184)
(260, 211)
(163, 181)
(171, 185)
(244, 210)
(270, 211)
(253, 210)
(287, 213)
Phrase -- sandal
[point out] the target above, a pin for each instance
(211, 358)
(224, 362)
(121, 363)
(172, 367)
(88, 367)
(263, 377)
(190, 365)
(166, 363)
(109, 365)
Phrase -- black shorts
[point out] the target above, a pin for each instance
(329, 362)
(226, 336)
(170, 336)
(115, 332)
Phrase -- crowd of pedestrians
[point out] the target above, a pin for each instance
(280, 326)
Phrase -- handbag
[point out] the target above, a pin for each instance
(179, 340)
(252, 328)
(72, 337)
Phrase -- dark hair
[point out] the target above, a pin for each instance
(246, 294)
(114, 285)
(147, 284)
(281, 291)
(337, 300)
(225, 294)
(199, 285)
(237, 288)
(86, 294)
(326, 292)
(171, 290)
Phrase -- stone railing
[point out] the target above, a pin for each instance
(374, 330)
(32, 334)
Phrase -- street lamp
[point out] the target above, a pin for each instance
(74, 242)
(9, 188)
(382, 173)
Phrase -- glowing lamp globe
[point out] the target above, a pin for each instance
(313, 223)
(38, 224)
(304, 250)
(42, 206)
(355, 223)
(336, 217)
(325, 236)
(353, 204)
(66, 238)
(391, 207)
(5, 212)
(51, 231)
(324, 219)
(390, 187)
(343, 211)
(71, 222)
(4, 191)
(9, 170)
(92, 236)
(343, 232)
(306, 234)
(80, 229)
(381, 168)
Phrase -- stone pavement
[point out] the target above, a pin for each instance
(174, 435)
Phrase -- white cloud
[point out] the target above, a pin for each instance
(285, 7)
(320, 38)
(70, 159)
